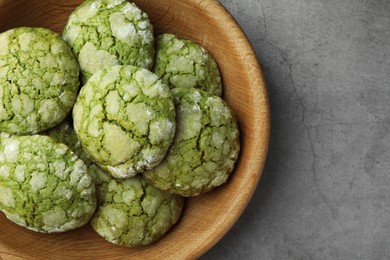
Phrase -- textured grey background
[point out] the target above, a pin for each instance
(325, 191)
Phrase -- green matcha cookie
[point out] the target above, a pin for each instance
(104, 33)
(205, 148)
(134, 213)
(64, 133)
(183, 63)
(43, 185)
(124, 118)
(38, 80)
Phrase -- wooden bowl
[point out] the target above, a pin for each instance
(206, 218)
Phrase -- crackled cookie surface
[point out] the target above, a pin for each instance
(134, 213)
(43, 185)
(183, 63)
(205, 147)
(125, 119)
(103, 33)
(38, 80)
(64, 133)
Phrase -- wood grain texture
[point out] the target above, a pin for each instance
(208, 217)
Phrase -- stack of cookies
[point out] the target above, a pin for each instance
(147, 128)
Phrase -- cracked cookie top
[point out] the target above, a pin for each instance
(183, 63)
(132, 212)
(104, 33)
(205, 148)
(64, 133)
(125, 119)
(43, 185)
(38, 80)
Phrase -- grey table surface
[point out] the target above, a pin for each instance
(325, 190)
